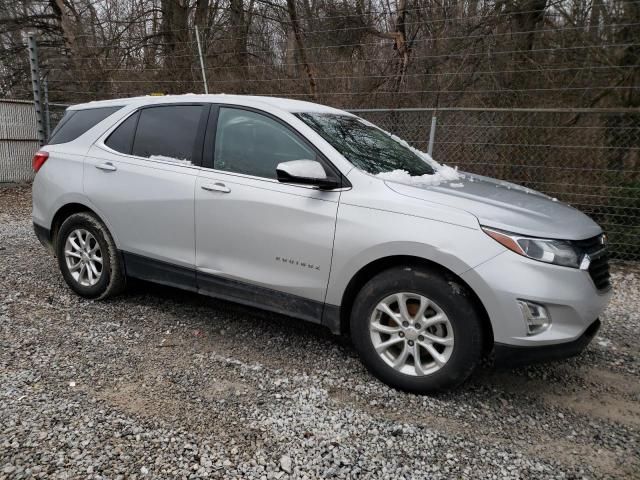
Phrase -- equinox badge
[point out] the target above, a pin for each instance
(298, 263)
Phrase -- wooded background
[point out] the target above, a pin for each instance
(540, 92)
(352, 53)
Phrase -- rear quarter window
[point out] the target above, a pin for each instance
(121, 139)
(76, 122)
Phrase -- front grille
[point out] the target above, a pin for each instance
(599, 266)
(599, 271)
(590, 245)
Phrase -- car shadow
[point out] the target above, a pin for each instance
(554, 377)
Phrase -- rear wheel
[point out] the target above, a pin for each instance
(88, 258)
(417, 330)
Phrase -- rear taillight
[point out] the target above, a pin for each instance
(39, 159)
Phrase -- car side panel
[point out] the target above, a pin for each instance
(364, 235)
(58, 183)
(149, 205)
(265, 233)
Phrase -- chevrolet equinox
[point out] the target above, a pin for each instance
(315, 213)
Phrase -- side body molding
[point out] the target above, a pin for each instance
(164, 273)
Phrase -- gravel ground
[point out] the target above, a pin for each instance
(160, 383)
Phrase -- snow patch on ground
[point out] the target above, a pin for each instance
(604, 343)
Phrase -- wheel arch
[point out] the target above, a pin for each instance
(64, 212)
(373, 268)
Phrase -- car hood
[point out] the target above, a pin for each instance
(506, 206)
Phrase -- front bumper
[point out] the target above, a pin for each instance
(568, 294)
(515, 356)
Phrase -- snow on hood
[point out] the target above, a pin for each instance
(443, 173)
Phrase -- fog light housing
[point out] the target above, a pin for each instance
(536, 317)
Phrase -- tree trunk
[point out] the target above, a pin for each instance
(200, 17)
(594, 18)
(630, 56)
(66, 25)
(175, 30)
(526, 16)
(293, 17)
(401, 44)
(238, 32)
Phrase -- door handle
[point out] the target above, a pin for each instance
(216, 187)
(107, 167)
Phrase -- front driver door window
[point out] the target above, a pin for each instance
(254, 144)
(251, 228)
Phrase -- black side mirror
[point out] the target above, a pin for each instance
(306, 172)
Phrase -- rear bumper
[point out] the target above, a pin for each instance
(44, 235)
(513, 356)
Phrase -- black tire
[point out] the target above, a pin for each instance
(451, 297)
(112, 278)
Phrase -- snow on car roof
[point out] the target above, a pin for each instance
(285, 104)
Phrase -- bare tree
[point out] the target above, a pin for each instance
(356, 53)
(297, 34)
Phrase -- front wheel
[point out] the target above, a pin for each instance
(417, 330)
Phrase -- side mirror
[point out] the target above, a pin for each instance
(305, 172)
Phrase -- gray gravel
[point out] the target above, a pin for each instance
(160, 383)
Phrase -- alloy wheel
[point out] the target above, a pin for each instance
(83, 257)
(411, 333)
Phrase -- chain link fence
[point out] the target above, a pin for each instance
(588, 158)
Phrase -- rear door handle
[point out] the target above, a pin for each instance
(107, 167)
(216, 187)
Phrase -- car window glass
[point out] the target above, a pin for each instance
(121, 139)
(365, 146)
(254, 144)
(167, 133)
(76, 122)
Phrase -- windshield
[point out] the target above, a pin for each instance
(365, 146)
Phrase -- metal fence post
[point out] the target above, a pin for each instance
(432, 134)
(204, 75)
(47, 114)
(35, 83)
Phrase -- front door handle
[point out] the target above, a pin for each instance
(216, 187)
(107, 167)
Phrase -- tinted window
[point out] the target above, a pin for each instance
(364, 145)
(75, 122)
(167, 132)
(254, 144)
(121, 139)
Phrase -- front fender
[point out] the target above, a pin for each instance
(364, 235)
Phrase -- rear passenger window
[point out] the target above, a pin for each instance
(168, 133)
(121, 139)
(76, 122)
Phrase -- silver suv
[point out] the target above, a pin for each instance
(315, 213)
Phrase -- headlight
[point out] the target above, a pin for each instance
(557, 252)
